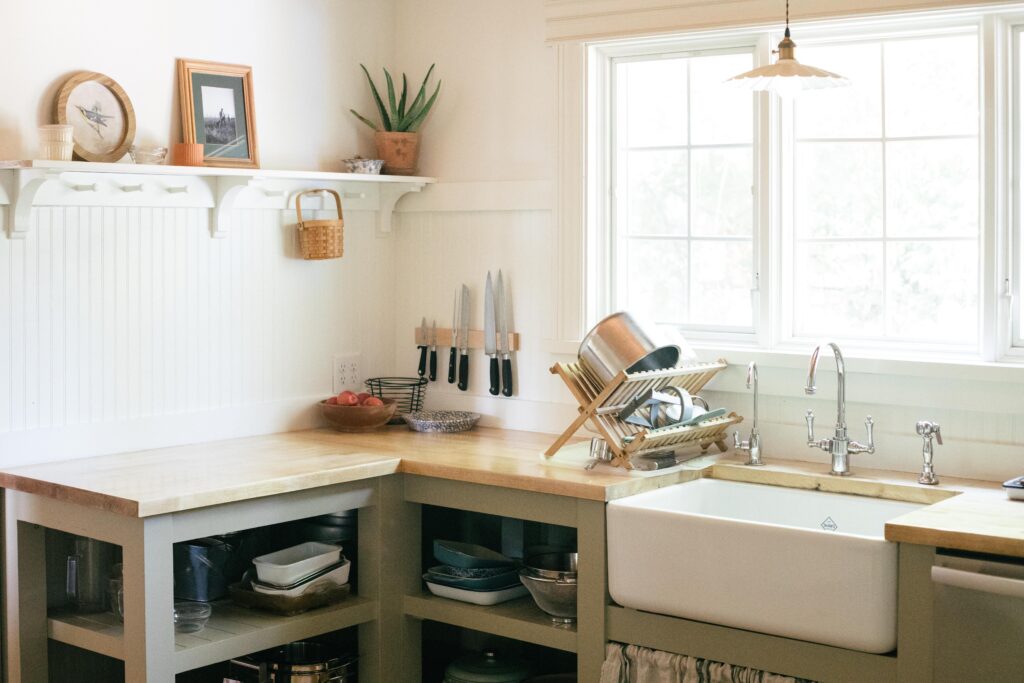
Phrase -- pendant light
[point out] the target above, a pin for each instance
(787, 77)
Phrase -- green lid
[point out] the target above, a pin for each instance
(485, 668)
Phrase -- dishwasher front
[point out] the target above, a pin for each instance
(979, 618)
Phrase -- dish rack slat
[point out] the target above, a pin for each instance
(600, 404)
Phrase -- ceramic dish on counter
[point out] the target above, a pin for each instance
(476, 597)
(444, 421)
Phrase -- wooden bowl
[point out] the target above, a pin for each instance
(358, 418)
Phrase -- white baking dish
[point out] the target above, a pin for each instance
(334, 577)
(291, 565)
(490, 597)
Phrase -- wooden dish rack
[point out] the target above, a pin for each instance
(601, 404)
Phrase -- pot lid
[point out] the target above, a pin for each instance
(486, 667)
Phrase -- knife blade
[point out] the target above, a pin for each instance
(503, 349)
(452, 353)
(433, 351)
(422, 369)
(464, 341)
(490, 334)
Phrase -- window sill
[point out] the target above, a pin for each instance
(1010, 370)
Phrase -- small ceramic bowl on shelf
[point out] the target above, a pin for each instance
(361, 165)
(145, 154)
(190, 617)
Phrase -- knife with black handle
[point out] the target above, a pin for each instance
(464, 341)
(453, 353)
(422, 368)
(503, 346)
(433, 351)
(490, 335)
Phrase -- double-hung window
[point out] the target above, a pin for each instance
(885, 195)
(682, 172)
(855, 214)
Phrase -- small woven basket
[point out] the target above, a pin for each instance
(321, 239)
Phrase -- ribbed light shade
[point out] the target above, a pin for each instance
(787, 77)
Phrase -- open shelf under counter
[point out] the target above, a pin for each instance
(234, 631)
(518, 619)
(101, 632)
(40, 183)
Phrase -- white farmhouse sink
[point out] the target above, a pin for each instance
(790, 562)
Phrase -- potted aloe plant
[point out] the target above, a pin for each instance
(398, 142)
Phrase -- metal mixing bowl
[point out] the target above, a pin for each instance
(556, 598)
(558, 566)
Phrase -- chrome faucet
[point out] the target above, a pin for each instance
(751, 446)
(839, 446)
(928, 430)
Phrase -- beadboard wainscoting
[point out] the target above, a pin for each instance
(126, 328)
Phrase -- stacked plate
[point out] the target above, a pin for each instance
(473, 573)
(301, 569)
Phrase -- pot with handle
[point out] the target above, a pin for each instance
(620, 342)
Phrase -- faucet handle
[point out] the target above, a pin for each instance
(809, 416)
(928, 429)
(869, 426)
(736, 443)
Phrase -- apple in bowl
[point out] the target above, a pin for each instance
(352, 412)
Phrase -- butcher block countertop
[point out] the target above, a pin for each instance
(959, 513)
(159, 481)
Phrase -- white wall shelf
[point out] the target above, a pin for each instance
(27, 184)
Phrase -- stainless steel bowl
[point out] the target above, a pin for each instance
(620, 343)
(556, 598)
(557, 566)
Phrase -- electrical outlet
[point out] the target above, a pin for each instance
(346, 372)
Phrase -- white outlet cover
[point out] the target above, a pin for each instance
(347, 373)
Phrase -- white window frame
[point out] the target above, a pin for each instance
(602, 281)
(1000, 264)
(785, 333)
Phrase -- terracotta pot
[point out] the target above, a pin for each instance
(187, 154)
(400, 151)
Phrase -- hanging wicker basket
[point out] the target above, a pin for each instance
(321, 239)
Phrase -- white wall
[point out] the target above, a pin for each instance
(491, 142)
(304, 54)
(126, 328)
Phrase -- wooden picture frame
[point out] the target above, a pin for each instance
(217, 111)
(102, 116)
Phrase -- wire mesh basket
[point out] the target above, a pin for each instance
(407, 391)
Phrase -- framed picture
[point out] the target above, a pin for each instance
(101, 114)
(217, 112)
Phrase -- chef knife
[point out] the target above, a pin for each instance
(452, 353)
(433, 350)
(422, 369)
(503, 349)
(490, 334)
(464, 341)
